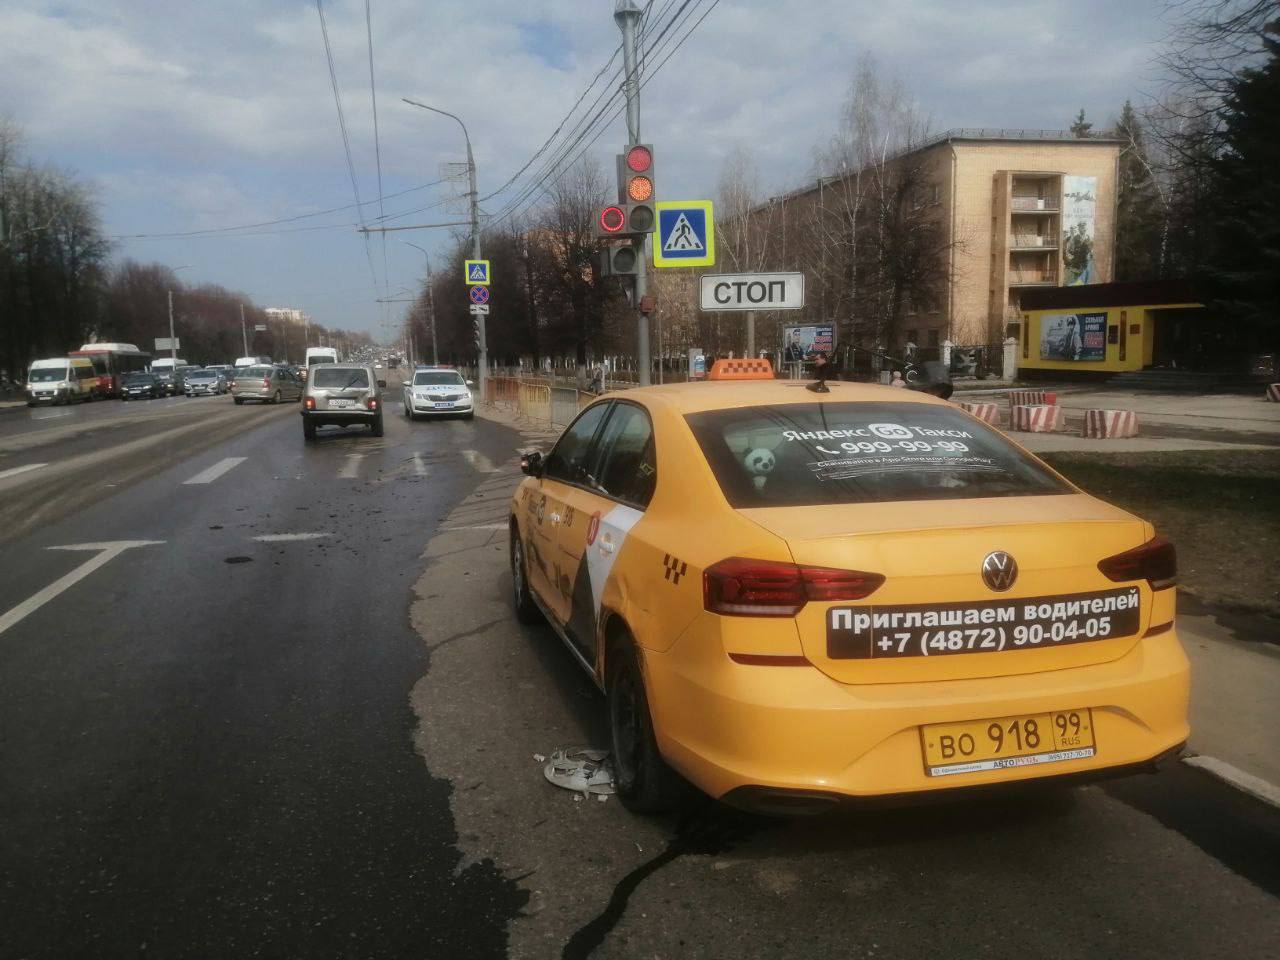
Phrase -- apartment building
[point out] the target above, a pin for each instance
(1017, 210)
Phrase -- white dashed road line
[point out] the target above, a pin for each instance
(479, 461)
(478, 526)
(1234, 776)
(14, 471)
(289, 537)
(217, 470)
(419, 465)
(352, 468)
(106, 553)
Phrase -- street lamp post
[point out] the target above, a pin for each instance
(475, 230)
(431, 304)
(173, 346)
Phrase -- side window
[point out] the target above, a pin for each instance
(569, 461)
(629, 468)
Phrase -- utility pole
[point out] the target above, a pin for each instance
(173, 349)
(244, 333)
(627, 15)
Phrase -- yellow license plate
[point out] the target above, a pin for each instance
(998, 744)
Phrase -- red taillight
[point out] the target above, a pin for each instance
(1156, 561)
(266, 383)
(767, 588)
(309, 403)
(371, 403)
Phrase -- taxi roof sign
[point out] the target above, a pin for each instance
(744, 368)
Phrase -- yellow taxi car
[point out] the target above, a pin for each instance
(793, 597)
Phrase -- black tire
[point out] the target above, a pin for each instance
(275, 398)
(238, 400)
(526, 610)
(308, 430)
(376, 427)
(644, 782)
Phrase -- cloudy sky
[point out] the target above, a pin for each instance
(201, 116)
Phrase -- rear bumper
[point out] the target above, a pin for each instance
(339, 418)
(741, 730)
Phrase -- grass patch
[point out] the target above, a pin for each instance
(1220, 507)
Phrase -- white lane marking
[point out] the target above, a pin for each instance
(106, 553)
(14, 471)
(352, 469)
(289, 537)
(479, 461)
(1234, 776)
(477, 526)
(419, 465)
(217, 470)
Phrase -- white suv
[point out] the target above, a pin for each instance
(438, 391)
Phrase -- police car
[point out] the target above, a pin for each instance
(437, 391)
(794, 597)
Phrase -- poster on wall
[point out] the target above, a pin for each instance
(1079, 205)
(1073, 336)
(802, 343)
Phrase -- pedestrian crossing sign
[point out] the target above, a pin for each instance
(477, 272)
(686, 234)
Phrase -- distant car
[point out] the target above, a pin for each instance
(437, 391)
(343, 395)
(206, 382)
(266, 384)
(142, 386)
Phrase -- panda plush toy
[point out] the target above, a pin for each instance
(759, 463)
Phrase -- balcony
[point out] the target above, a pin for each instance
(1032, 241)
(1033, 278)
(1033, 204)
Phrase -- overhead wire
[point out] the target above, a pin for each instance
(342, 126)
(599, 123)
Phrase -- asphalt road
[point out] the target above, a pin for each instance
(321, 744)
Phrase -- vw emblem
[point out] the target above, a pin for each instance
(999, 570)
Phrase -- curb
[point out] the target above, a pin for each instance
(1255, 787)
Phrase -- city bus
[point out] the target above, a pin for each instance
(113, 362)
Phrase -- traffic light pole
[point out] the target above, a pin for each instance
(627, 15)
(483, 373)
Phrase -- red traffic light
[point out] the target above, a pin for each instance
(612, 219)
(639, 159)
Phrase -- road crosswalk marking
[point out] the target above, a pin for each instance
(479, 461)
(288, 537)
(217, 470)
(14, 471)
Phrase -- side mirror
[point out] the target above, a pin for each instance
(382, 383)
(471, 383)
(531, 464)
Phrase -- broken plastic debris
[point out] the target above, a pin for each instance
(582, 771)
(541, 758)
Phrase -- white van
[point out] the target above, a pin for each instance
(167, 364)
(318, 355)
(61, 380)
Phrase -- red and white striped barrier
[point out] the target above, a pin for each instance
(1036, 418)
(1273, 392)
(1109, 424)
(986, 412)
(1031, 398)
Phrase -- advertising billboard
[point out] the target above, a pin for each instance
(1073, 336)
(1079, 205)
(802, 343)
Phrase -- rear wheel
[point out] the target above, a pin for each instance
(239, 400)
(275, 397)
(376, 427)
(644, 782)
(526, 610)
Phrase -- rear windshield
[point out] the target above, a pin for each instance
(814, 454)
(340, 377)
(312, 361)
(48, 374)
(437, 378)
(254, 372)
(138, 379)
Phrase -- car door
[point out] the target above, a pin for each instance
(565, 467)
(599, 513)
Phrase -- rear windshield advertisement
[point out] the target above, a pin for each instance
(811, 454)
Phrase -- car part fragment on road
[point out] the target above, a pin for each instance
(582, 771)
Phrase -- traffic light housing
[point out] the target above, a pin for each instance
(634, 214)
(619, 261)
